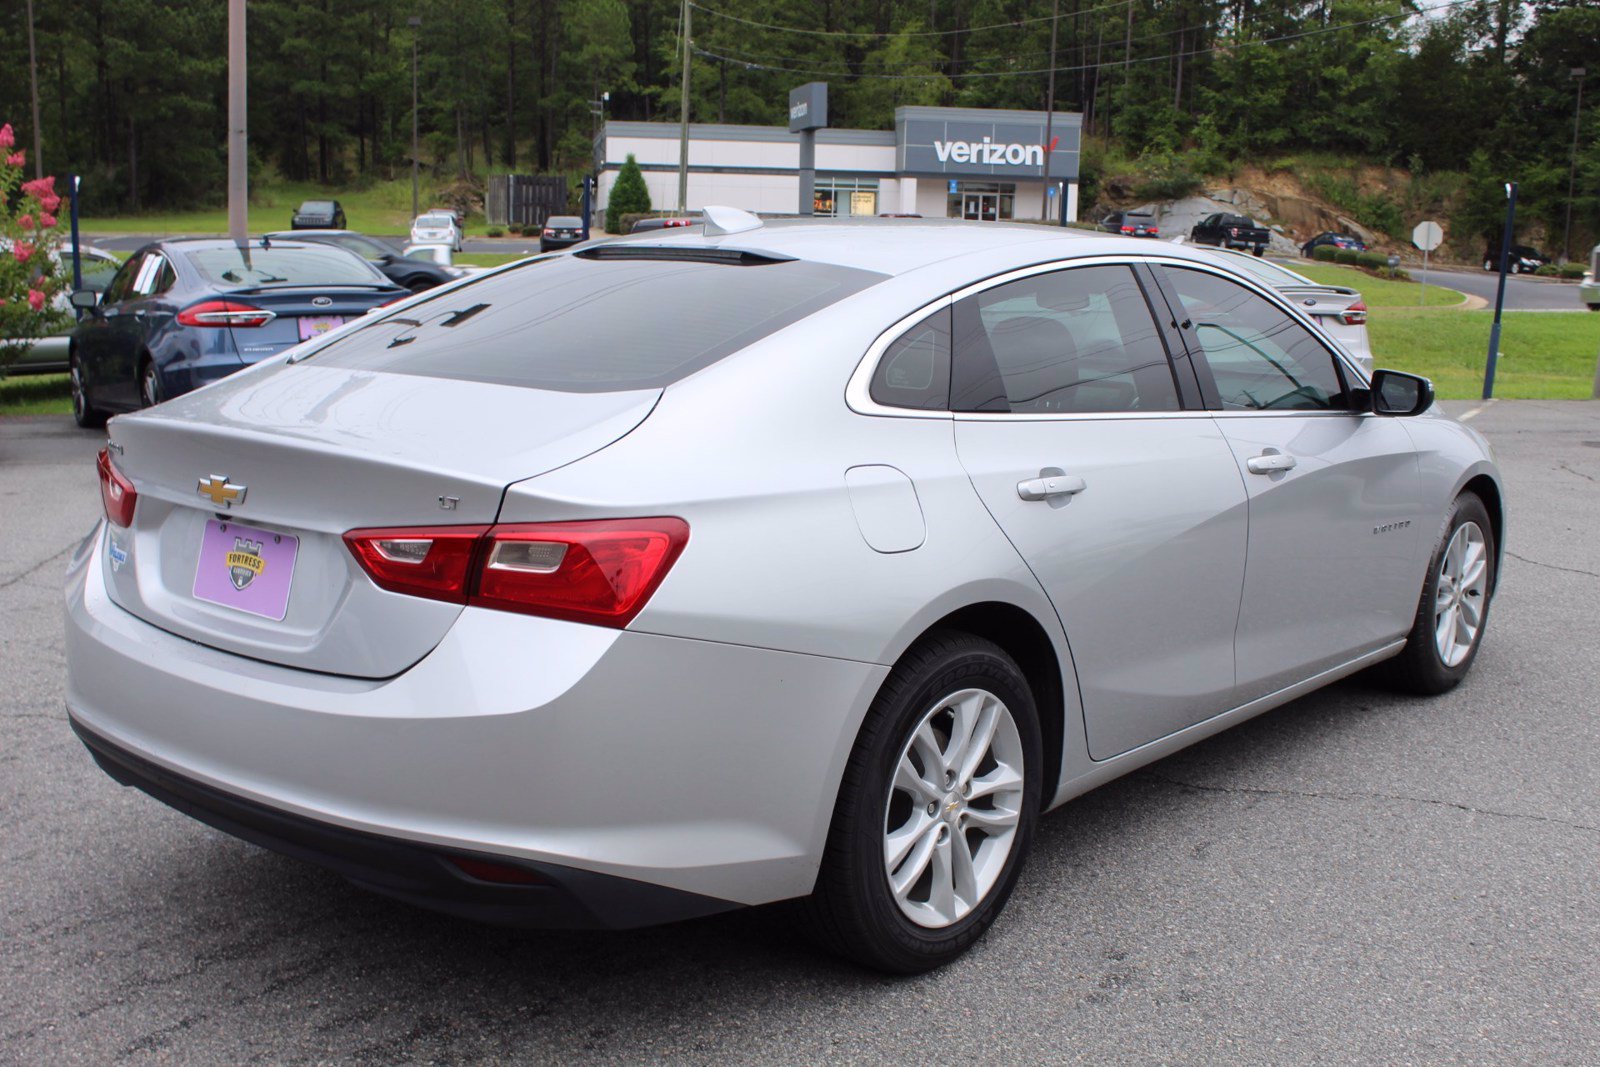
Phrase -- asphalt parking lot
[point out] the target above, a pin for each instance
(1353, 878)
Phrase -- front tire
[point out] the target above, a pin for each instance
(150, 392)
(1454, 607)
(936, 810)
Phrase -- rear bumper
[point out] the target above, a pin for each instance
(555, 897)
(700, 767)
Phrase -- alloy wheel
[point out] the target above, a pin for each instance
(80, 404)
(954, 804)
(149, 388)
(1460, 598)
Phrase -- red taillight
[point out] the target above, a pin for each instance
(116, 492)
(1233, 231)
(599, 572)
(502, 873)
(1152, 231)
(1127, 229)
(1355, 314)
(549, 232)
(225, 313)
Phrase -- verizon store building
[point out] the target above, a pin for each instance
(939, 162)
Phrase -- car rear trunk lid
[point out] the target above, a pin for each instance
(277, 463)
(302, 312)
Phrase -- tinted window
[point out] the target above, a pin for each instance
(594, 325)
(122, 284)
(1260, 357)
(1079, 340)
(565, 222)
(317, 207)
(1236, 220)
(914, 371)
(312, 264)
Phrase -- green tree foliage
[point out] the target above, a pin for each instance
(629, 196)
(133, 91)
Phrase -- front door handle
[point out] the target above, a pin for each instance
(1049, 486)
(1270, 461)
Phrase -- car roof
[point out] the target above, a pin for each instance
(898, 246)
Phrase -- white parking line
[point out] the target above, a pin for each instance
(1475, 412)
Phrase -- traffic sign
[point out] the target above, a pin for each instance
(1427, 236)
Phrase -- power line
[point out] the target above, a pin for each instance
(1015, 23)
(1224, 47)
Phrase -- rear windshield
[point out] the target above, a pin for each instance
(1270, 273)
(588, 326)
(1236, 220)
(571, 222)
(309, 265)
(434, 220)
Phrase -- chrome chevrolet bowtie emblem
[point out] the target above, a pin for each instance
(220, 491)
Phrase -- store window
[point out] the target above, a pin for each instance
(984, 201)
(839, 196)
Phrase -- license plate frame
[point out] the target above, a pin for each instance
(316, 325)
(246, 568)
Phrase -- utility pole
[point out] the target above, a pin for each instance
(33, 81)
(415, 22)
(1049, 111)
(1572, 173)
(238, 128)
(683, 118)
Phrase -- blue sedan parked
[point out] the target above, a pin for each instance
(180, 314)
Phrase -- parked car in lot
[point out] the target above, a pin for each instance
(415, 274)
(182, 313)
(437, 228)
(647, 225)
(1338, 309)
(560, 231)
(697, 571)
(1589, 289)
(48, 355)
(318, 215)
(1524, 259)
(1131, 223)
(1231, 231)
(1333, 240)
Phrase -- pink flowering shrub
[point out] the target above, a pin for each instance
(30, 273)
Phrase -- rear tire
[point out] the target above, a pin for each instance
(1453, 610)
(920, 860)
(150, 393)
(83, 413)
(1261, 250)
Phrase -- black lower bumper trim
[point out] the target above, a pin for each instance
(563, 898)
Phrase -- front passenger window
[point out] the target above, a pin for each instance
(1260, 358)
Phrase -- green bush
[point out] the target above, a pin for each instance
(495, 231)
(1346, 255)
(1325, 253)
(1571, 271)
(1372, 260)
(629, 196)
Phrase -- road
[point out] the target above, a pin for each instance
(1355, 878)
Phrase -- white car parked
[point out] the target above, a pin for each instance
(437, 228)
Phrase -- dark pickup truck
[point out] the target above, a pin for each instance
(1230, 231)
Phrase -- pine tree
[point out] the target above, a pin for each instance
(628, 197)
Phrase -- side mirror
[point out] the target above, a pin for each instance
(1397, 393)
(85, 299)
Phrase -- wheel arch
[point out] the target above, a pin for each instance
(1024, 639)
(1488, 490)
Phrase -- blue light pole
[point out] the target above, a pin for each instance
(1500, 294)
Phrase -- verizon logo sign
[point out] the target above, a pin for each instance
(991, 153)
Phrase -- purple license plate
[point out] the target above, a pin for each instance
(246, 568)
(312, 325)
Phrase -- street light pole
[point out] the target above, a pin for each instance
(1049, 112)
(683, 117)
(1572, 171)
(1500, 293)
(415, 22)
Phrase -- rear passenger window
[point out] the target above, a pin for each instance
(1072, 341)
(914, 371)
(1260, 358)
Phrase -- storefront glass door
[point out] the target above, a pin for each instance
(981, 201)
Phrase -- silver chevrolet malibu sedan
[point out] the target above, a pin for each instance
(744, 563)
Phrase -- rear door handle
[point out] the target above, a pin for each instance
(1270, 462)
(1055, 485)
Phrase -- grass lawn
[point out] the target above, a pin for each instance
(1377, 292)
(383, 208)
(36, 394)
(492, 259)
(1544, 355)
